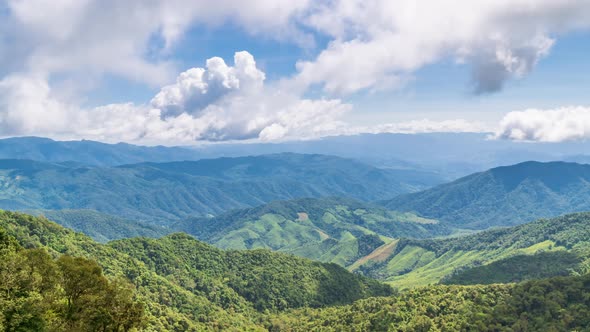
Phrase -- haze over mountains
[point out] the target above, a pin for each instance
(442, 156)
(167, 191)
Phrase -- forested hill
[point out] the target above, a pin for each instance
(338, 230)
(544, 248)
(171, 191)
(503, 196)
(174, 283)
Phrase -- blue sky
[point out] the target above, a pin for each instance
(152, 74)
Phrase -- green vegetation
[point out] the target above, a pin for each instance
(518, 268)
(100, 226)
(326, 229)
(491, 254)
(166, 192)
(503, 196)
(557, 304)
(184, 284)
(39, 293)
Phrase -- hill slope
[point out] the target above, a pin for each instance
(100, 226)
(503, 196)
(504, 255)
(169, 191)
(335, 230)
(190, 286)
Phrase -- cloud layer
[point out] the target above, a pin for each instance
(376, 44)
(557, 125)
(45, 59)
(218, 102)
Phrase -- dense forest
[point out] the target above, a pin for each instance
(557, 304)
(182, 284)
(58, 280)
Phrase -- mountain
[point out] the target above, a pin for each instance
(338, 230)
(503, 196)
(505, 255)
(89, 152)
(432, 157)
(181, 284)
(55, 279)
(160, 192)
(101, 227)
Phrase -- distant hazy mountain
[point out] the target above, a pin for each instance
(446, 156)
(89, 152)
(503, 196)
(544, 248)
(169, 191)
(334, 230)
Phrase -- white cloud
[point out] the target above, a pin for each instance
(215, 103)
(428, 126)
(46, 47)
(381, 42)
(557, 125)
(198, 87)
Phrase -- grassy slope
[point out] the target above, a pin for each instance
(328, 229)
(422, 262)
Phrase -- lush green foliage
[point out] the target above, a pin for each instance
(518, 268)
(326, 229)
(172, 191)
(421, 262)
(39, 293)
(503, 196)
(100, 226)
(187, 285)
(558, 304)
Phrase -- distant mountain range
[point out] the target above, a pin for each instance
(334, 230)
(503, 196)
(164, 192)
(445, 156)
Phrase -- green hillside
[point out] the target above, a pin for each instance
(411, 262)
(171, 191)
(101, 227)
(557, 304)
(335, 230)
(186, 285)
(503, 196)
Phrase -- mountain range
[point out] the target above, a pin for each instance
(503, 196)
(164, 192)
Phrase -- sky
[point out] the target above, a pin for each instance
(179, 72)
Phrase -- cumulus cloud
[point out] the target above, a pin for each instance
(198, 87)
(215, 103)
(556, 125)
(381, 42)
(370, 46)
